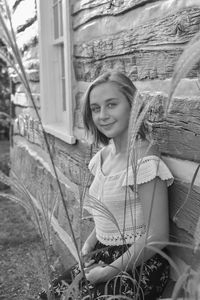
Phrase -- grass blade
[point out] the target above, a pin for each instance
(187, 60)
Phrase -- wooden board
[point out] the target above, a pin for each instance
(175, 29)
(139, 65)
(184, 253)
(87, 10)
(179, 134)
(145, 52)
(185, 214)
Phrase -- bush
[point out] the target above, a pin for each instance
(4, 125)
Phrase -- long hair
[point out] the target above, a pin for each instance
(125, 86)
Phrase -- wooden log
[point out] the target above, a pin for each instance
(178, 141)
(178, 135)
(119, 5)
(184, 205)
(176, 29)
(144, 52)
(85, 11)
(184, 253)
(139, 65)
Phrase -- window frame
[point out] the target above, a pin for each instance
(55, 121)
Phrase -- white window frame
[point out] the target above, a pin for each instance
(55, 121)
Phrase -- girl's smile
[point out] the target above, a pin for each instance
(110, 110)
(107, 126)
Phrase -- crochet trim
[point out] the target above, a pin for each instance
(149, 168)
(116, 239)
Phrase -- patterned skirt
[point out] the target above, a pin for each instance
(146, 282)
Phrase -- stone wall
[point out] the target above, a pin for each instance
(144, 39)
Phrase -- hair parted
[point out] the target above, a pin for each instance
(125, 86)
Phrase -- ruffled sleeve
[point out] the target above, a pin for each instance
(149, 168)
(94, 163)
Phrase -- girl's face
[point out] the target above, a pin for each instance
(110, 110)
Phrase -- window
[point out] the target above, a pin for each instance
(56, 68)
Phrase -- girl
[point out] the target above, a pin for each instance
(129, 210)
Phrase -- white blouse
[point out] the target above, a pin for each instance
(116, 209)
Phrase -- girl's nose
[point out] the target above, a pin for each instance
(103, 114)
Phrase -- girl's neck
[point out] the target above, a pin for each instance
(119, 148)
(120, 145)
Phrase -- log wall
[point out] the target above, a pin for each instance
(144, 39)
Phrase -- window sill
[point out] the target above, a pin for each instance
(59, 130)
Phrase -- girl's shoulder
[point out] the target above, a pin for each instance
(100, 155)
(99, 158)
(149, 166)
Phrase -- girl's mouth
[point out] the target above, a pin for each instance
(106, 126)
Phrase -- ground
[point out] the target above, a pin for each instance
(21, 250)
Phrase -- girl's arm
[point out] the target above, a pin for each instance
(152, 194)
(154, 198)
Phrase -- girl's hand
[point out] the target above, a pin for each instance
(95, 274)
(89, 263)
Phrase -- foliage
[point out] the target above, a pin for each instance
(4, 87)
(4, 124)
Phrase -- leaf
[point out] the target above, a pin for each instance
(15, 199)
(179, 284)
(197, 237)
(187, 60)
(73, 291)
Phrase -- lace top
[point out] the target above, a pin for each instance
(117, 215)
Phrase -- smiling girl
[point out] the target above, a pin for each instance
(121, 264)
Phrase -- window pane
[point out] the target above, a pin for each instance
(63, 94)
(61, 19)
(55, 17)
(63, 78)
(58, 19)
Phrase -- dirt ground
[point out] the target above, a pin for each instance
(21, 251)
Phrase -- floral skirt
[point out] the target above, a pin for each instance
(145, 282)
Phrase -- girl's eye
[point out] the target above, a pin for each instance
(95, 109)
(111, 105)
